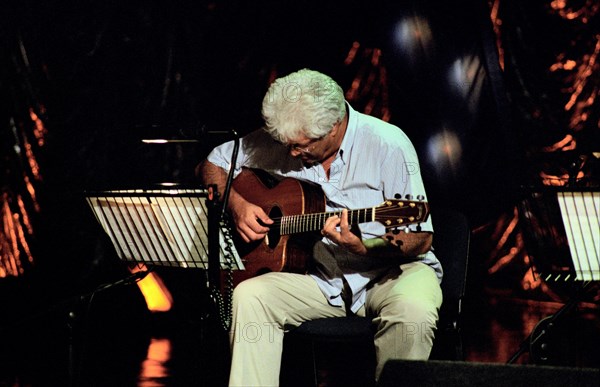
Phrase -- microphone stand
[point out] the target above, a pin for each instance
(539, 342)
(574, 169)
(73, 367)
(70, 306)
(216, 215)
(234, 154)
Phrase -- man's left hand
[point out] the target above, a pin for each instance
(345, 237)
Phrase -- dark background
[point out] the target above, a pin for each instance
(104, 75)
(475, 96)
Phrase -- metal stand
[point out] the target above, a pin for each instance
(75, 321)
(217, 212)
(539, 341)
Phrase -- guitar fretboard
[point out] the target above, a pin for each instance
(313, 222)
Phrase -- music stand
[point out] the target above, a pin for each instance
(580, 211)
(562, 229)
(161, 227)
(562, 232)
(166, 227)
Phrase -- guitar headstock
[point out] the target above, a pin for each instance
(397, 213)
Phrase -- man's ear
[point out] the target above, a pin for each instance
(335, 129)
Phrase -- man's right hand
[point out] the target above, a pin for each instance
(250, 220)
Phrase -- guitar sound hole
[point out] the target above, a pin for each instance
(273, 234)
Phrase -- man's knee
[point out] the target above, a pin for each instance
(254, 321)
(412, 321)
(252, 290)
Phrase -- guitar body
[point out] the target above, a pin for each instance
(290, 253)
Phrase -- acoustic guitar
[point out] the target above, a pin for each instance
(297, 209)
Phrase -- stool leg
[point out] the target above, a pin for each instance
(314, 363)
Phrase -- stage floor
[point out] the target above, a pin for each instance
(115, 345)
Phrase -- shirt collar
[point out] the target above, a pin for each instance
(350, 134)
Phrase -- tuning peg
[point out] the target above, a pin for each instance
(420, 198)
(397, 196)
(408, 197)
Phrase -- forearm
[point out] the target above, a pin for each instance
(399, 245)
(209, 174)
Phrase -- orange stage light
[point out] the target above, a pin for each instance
(157, 296)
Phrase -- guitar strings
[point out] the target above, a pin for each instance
(383, 212)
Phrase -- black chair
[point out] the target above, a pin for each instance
(336, 337)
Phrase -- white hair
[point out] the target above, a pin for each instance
(305, 102)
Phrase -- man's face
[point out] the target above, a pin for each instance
(307, 149)
(316, 150)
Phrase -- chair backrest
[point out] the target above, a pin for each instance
(451, 240)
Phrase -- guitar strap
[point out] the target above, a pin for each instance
(324, 260)
(347, 297)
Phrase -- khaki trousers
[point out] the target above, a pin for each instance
(404, 306)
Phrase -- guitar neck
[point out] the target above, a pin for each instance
(295, 224)
(391, 214)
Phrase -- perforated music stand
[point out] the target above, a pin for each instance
(562, 230)
(162, 227)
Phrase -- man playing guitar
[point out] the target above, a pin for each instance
(384, 270)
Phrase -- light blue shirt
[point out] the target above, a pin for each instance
(376, 161)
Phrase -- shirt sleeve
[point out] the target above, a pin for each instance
(257, 150)
(221, 156)
(401, 175)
